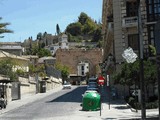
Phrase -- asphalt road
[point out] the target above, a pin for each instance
(62, 103)
(65, 105)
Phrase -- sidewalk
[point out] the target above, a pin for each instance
(119, 109)
(28, 99)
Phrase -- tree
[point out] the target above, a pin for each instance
(153, 50)
(97, 36)
(130, 72)
(150, 75)
(33, 69)
(84, 29)
(74, 29)
(58, 29)
(6, 68)
(3, 28)
(44, 52)
(35, 49)
(39, 36)
(83, 18)
(44, 34)
(64, 70)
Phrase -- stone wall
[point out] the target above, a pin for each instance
(28, 86)
(71, 58)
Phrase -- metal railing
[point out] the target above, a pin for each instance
(130, 21)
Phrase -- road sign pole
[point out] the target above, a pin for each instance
(109, 92)
(101, 100)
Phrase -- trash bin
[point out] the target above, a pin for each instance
(42, 86)
(91, 101)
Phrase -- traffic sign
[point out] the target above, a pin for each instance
(101, 80)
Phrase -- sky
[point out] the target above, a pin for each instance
(29, 17)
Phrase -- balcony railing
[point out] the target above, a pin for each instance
(130, 22)
(110, 26)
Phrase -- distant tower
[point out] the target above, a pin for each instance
(63, 41)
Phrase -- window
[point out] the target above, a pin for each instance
(133, 41)
(82, 72)
(52, 48)
(82, 67)
(151, 36)
(132, 9)
(153, 10)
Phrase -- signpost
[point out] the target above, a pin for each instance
(129, 55)
(101, 80)
(101, 83)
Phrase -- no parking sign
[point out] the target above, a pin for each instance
(101, 80)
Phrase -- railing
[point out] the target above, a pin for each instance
(130, 22)
(110, 26)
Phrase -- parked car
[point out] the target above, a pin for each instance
(67, 86)
(93, 84)
(93, 88)
(92, 79)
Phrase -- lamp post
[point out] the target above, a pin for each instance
(142, 82)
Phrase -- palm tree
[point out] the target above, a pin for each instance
(3, 28)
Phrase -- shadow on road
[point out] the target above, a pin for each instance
(72, 96)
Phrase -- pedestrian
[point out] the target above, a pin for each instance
(2, 102)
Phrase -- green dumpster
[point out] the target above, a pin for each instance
(91, 101)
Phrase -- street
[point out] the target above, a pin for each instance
(61, 103)
(65, 105)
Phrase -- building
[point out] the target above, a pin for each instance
(121, 23)
(62, 43)
(33, 59)
(12, 47)
(83, 44)
(81, 62)
(124, 24)
(19, 62)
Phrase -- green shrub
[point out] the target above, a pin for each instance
(136, 105)
(152, 105)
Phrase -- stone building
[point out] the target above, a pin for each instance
(12, 47)
(61, 43)
(122, 25)
(82, 62)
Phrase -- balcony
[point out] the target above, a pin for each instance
(130, 22)
(110, 26)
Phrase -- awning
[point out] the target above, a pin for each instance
(5, 81)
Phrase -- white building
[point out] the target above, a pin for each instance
(63, 41)
(62, 44)
(83, 68)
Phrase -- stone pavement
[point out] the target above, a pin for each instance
(116, 110)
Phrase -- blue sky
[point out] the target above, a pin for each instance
(29, 17)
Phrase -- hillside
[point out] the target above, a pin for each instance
(85, 29)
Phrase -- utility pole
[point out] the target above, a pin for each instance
(157, 43)
(142, 82)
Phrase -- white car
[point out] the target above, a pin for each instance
(66, 86)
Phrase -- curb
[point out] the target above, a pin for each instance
(132, 109)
